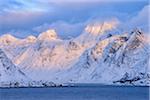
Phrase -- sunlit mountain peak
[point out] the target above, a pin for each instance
(7, 39)
(31, 38)
(48, 35)
(98, 28)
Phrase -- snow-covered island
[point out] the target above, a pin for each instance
(99, 55)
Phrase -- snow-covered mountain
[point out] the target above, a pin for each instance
(98, 55)
(9, 73)
(118, 59)
(7, 39)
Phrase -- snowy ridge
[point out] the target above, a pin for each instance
(7, 39)
(124, 60)
(48, 35)
(9, 72)
(96, 56)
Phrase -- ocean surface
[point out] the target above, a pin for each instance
(76, 93)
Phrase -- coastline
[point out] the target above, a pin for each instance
(76, 85)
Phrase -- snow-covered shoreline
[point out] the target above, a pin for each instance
(73, 85)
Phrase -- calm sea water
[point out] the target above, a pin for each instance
(76, 93)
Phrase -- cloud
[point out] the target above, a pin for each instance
(22, 20)
(140, 20)
(20, 5)
(70, 14)
(65, 29)
(61, 1)
(20, 33)
(62, 28)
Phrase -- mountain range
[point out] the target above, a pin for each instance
(101, 54)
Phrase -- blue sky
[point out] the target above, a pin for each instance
(68, 17)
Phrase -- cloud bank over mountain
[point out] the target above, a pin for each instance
(140, 20)
(33, 17)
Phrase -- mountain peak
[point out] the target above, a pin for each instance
(7, 39)
(138, 35)
(48, 35)
(31, 38)
(98, 28)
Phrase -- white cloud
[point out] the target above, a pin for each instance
(62, 28)
(60, 1)
(142, 17)
(141, 20)
(65, 30)
(28, 15)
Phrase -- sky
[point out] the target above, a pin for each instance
(69, 17)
